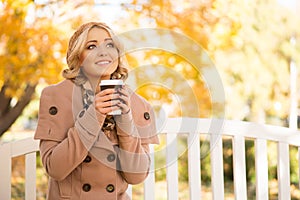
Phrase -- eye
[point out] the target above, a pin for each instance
(90, 47)
(110, 45)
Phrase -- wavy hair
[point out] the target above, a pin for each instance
(76, 47)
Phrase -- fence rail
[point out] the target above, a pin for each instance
(214, 129)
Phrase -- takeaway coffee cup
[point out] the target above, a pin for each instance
(105, 84)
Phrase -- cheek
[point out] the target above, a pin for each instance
(82, 57)
(115, 64)
(114, 54)
(86, 57)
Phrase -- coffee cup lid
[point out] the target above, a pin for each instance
(111, 82)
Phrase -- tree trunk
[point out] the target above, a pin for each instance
(9, 114)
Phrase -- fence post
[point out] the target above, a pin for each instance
(5, 171)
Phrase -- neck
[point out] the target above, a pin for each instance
(94, 81)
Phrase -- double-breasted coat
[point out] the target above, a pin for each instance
(84, 163)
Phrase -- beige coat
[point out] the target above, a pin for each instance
(81, 161)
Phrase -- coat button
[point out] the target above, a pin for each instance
(53, 110)
(146, 116)
(86, 187)
(111, 157)
(87, 159)
(110, 188)
(81, 113)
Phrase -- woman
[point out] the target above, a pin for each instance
(87, 153)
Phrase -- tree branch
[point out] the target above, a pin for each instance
(8, 118)
(4, 101)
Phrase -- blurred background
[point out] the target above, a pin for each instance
(254, 46)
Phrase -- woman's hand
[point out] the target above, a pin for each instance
(109, 100)
(124, 99)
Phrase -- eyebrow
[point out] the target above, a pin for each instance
(106, 39)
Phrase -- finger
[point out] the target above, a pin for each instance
(123, 99)
(124, 108)
(108, 109)
(123, 92)
(107, 91)
(107, 104)
(107, 97)
(124, 96)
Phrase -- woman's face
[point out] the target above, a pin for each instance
(100, 55)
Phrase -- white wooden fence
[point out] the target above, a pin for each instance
(239, 131)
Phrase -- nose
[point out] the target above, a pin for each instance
(101, 51)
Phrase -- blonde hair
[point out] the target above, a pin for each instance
(76, 46)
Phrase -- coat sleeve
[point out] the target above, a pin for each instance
(62, 140)
(135, 131)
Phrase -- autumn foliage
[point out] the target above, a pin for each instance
(31, 48)
(250, 43)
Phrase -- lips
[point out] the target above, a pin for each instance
(103, 62)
